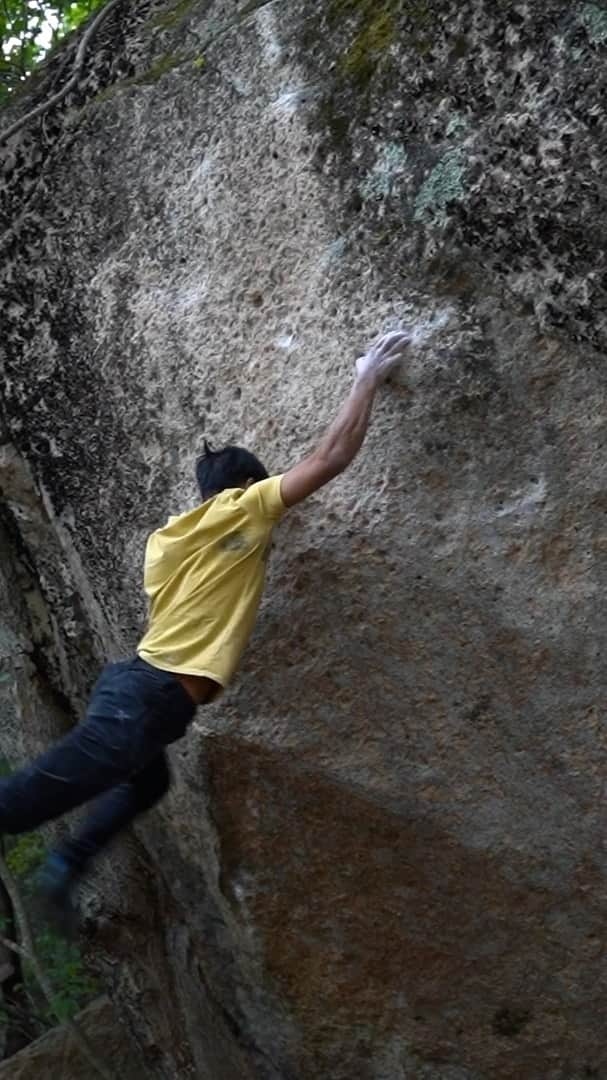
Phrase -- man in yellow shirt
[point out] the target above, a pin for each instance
(204, 574)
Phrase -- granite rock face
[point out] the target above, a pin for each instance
(55, 1055)
(383, 856)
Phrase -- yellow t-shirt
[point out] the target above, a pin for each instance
(204, 574)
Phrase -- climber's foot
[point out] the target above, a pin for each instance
(55, 885)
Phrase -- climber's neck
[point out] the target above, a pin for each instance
(200, 689)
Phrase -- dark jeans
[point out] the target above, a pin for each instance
(118, 749)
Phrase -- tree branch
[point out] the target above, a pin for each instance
(27, 950)
(73, 79)
(250, 8)
(14, 947)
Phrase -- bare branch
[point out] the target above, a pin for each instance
(14, 947)
(73, 79)
(250, 9)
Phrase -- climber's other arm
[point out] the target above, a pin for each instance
(345, 436)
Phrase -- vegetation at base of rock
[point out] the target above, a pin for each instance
(62, 960)
(25, 856)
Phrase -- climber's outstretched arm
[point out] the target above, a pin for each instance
(345, 436)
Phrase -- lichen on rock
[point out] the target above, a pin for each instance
(594, 19)
(442, 187)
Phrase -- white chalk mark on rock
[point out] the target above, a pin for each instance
(523, 503)
(271, 44)
(292, 100)
(425, 328)
(286, 342)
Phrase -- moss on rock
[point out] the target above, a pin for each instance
(161, 66)
(376, 31)
(372, 41)
(174, 15)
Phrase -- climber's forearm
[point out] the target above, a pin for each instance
(345, 436)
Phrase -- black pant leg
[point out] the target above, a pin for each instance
(135, 710)
(95, 755)
(87, 761)
(116, 809)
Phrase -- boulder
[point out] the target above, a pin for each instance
(383, 853)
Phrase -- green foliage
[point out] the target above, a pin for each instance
(26, 855)
(63, 964)
(28, 29)
(61, 959)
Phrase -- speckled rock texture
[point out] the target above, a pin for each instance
(55, 1056)
(383, 857)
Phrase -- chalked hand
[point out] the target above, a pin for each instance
(383, 356)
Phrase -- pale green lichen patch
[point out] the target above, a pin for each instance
(594, 20)
(457, 125)
(442, 186)
(381, 181)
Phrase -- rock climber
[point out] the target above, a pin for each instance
(203, 575)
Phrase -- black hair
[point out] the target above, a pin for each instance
(231, 467)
